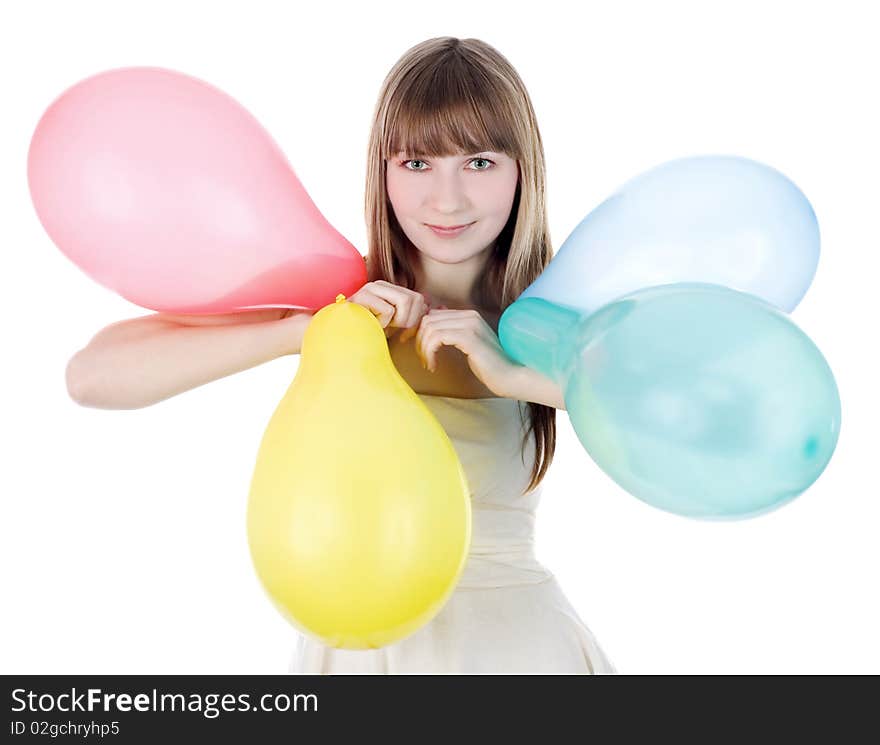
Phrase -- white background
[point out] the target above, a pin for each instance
(123, 533)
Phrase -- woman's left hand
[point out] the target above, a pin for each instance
(467, 331)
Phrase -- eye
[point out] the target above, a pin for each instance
(488, 163)
(415, 160)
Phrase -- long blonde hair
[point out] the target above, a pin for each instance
(446, 96)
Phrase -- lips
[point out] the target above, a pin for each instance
(449, 233)
(449, 227)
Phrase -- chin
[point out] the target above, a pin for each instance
(450, 257)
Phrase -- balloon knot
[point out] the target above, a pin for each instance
(340, 298)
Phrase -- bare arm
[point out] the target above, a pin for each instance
(141, 361)
(530, 385)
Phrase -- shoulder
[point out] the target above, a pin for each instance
(491, 317)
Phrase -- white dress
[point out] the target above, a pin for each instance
(507, 614)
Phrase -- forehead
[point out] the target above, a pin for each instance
(438, 137)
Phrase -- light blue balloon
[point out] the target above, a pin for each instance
(697, 399)
(721, 220)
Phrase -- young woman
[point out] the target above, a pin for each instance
(457, 229)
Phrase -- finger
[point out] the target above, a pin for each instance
(406, 302)
(434, 320)
(459, 338)
(398, 303)
(422, 315)
(418, 310)
(465, 323)
(408, 333)
(383, 310)
(441, 312)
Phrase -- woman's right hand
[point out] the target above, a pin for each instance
(396, 307)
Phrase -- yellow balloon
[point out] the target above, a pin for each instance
(359, 516)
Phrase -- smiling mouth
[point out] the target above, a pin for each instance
(449, 227)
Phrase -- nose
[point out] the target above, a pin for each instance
(447, 195)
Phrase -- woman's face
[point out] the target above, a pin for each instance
(476, 189)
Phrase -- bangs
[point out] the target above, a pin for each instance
(449, 110)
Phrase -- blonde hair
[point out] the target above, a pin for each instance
(443, 97)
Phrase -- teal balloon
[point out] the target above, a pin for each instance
(697, 399)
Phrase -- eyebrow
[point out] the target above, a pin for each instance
(402, 153)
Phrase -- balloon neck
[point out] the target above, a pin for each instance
(540, 335)
(342, 340)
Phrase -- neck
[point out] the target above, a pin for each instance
(452, 285)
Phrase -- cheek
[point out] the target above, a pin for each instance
(402, 195)
(497, 196)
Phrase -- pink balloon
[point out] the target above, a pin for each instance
(166, 190)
